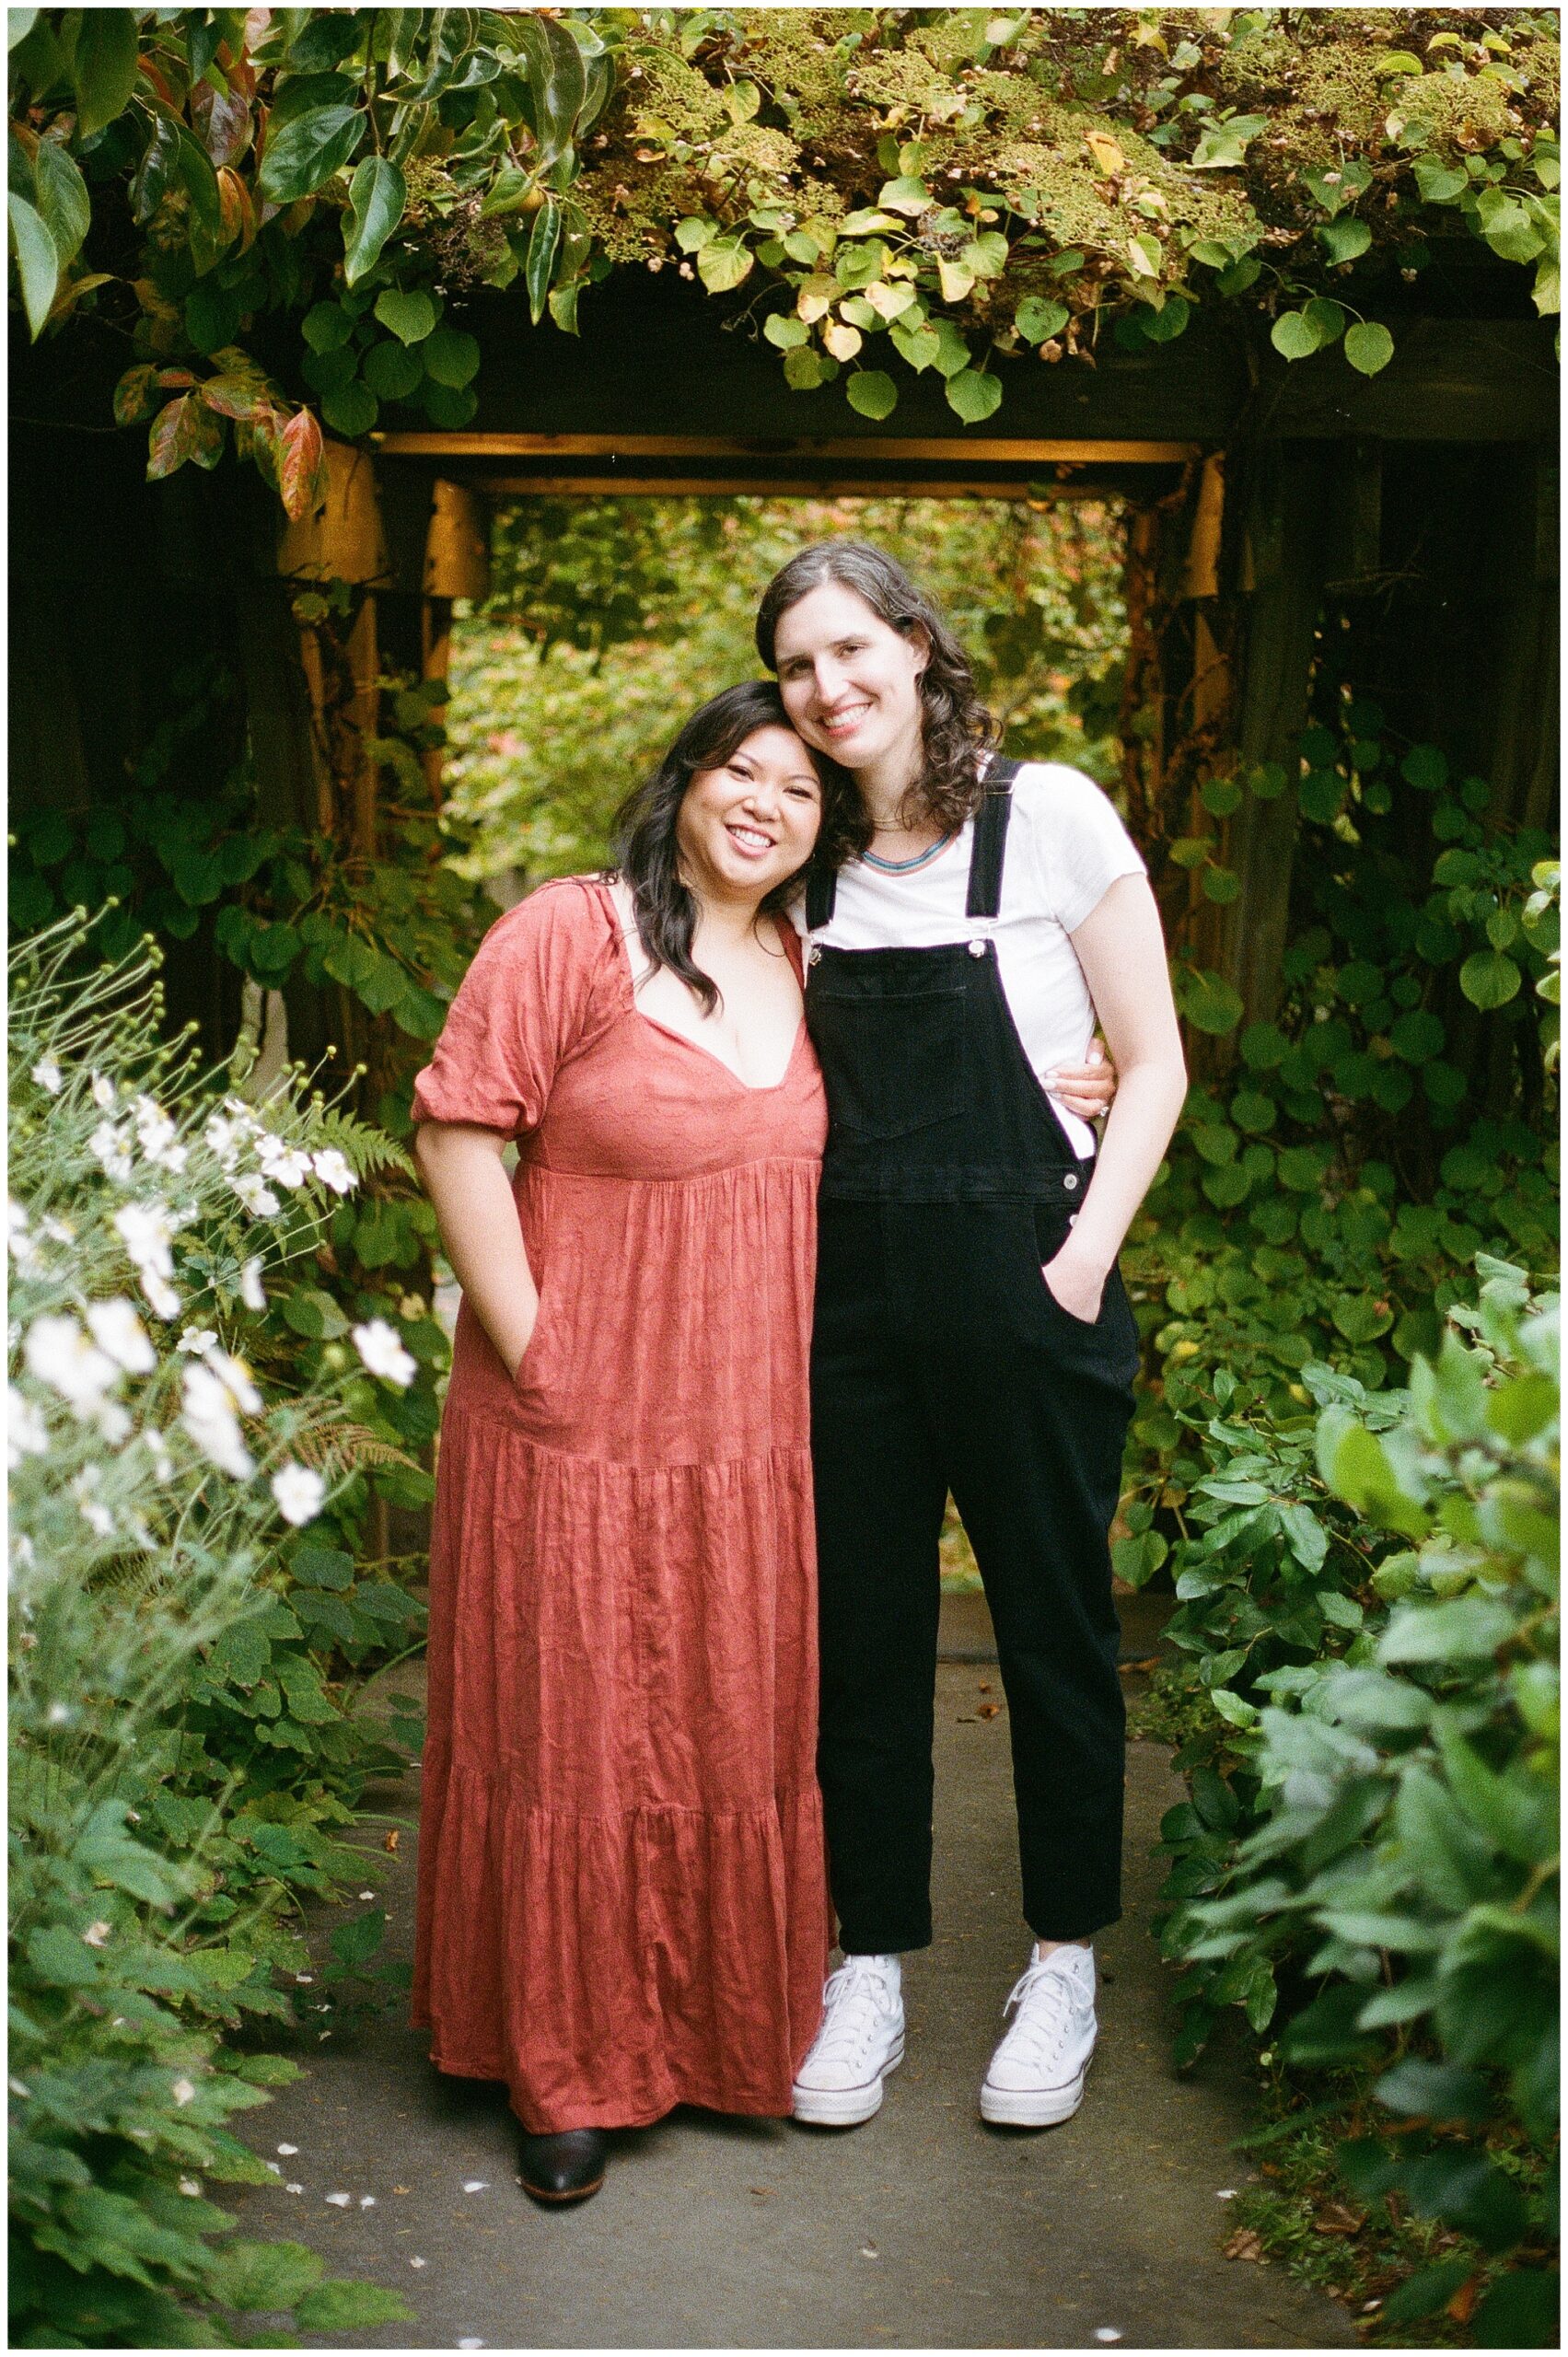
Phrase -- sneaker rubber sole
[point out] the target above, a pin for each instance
(844, 2107)
(1032, 2106)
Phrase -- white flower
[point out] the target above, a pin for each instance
(223, 1135)
(24, 1251)
(117, 1330)
(110, 1145)
(103, 1091)
(285, 1163)
(333, 1171)
(183, 2091)
(27, 1435)
(47, 1074)
(147, 1231)
(189, 2185)
(197, 1340)
(257, 1197)
(380, 1347)
(157, 1449)
(236, 1376)
(59, 1231)
(94, 1513)
(208, 1416)
(160, 1293)
(96, 1934)
(299, 1493)
(157, 1134)
(252, 1291)
(59, 1353)
(111, 1421)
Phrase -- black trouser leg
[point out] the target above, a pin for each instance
(880, 1496)
(1031, 1407)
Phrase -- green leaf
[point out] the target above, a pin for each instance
(407, 313)
(63, 201)
(1344, 240)
(544, 242)
(1325, 318)
(1209, 1003)
(38, 264)
(390, 369)
(103, 67)
(723, 263)
(341, 2307)
(304, 154)
(920, 347)
(1427, 770)
(61, 1959)
(1438, 182)
(263, 2275)
(1368, 347)
(785, 330)
(1224, 144)
(872, 393)
(451, 356)
(693, 234)
(973, 395)
(908, 196)
(1036, 320)
(1294, 335)
(355, 1943)
(803, 370)
(1489, 978)
(1459, 1628)
(376, 195)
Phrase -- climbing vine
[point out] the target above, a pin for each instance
(286, 211)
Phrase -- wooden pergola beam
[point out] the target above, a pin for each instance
(859, 450)
(761, 486)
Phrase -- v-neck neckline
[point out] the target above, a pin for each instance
(684, 1038)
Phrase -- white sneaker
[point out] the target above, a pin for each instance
(1037, 2073)
(861, 2040)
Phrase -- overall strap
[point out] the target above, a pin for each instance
(990, 840)
(821, 893)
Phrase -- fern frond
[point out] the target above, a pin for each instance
(363, 1147)
(328, 1444)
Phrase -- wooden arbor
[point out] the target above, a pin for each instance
(1420, 504)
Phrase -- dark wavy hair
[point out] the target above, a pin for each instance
(955, 726)
(645, 851)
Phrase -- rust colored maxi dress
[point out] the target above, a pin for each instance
(622, 1900)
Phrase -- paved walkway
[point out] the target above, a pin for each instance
(923, 2230)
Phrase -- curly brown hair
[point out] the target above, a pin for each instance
(647, 853)
(955, 727)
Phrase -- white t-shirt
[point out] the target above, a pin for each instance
(1065, 847)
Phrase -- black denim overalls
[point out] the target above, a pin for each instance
(942, 1361)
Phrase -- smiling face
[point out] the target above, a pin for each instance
(851, 681)
(746, 827)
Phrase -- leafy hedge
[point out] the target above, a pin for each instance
(288, 206)
(1370, 1597)
(187, 1753)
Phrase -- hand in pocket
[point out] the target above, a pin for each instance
(1074, 1287)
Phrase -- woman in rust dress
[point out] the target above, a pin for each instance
(622, 1902)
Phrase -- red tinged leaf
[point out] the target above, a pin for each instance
(173, 437)
(135, 396)
(176, 381)
(234, 396)
(239, 209)
(300, 462)
(223, 122)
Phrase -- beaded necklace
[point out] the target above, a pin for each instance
(906, 867)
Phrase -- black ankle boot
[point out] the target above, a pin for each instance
(564, 2167)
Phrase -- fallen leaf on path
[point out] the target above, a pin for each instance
(1244, 2244)
(286, 2149)
(1463, 2306)
(390, 1846)
(338, 2200)
(476, 2184)
(400, 2189)
(990, 1710)
(869, 2250)
(1334, 2218)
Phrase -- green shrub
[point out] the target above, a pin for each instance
(1373, 1601)
(183, 1754)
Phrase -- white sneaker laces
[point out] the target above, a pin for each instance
(856, 2000)
(1041, 2009)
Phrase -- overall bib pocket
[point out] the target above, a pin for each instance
(892, 1064)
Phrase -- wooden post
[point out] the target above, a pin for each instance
(456, 564)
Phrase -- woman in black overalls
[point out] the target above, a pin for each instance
(964, 1340)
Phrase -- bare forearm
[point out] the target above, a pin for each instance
(1147, 1106)
(474, 1209)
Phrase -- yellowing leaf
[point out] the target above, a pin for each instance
(886, 301)
(841, 340)
(815, 296)
(955, 283)
(1107, 157)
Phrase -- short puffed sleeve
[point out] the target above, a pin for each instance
(523, 1006)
